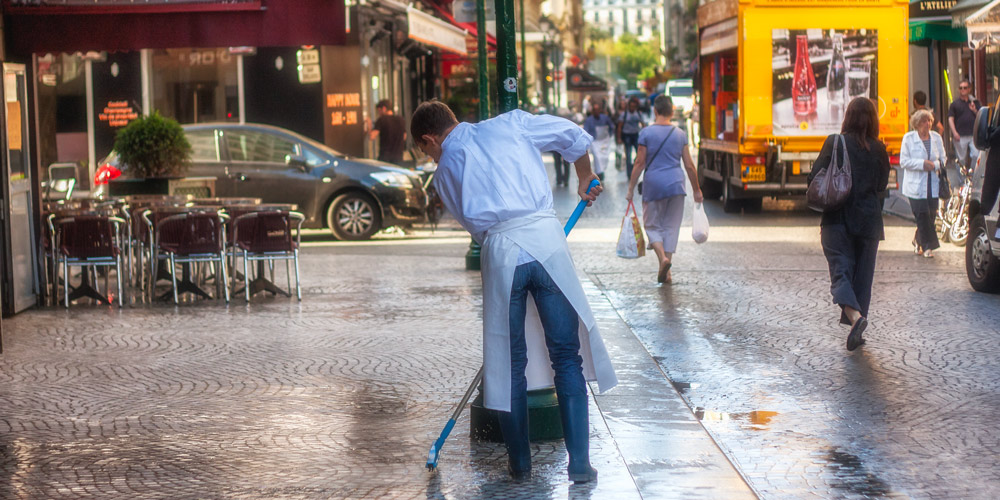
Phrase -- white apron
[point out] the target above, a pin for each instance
(541, 236)
(602, 149)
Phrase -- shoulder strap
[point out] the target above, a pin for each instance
(649, 159)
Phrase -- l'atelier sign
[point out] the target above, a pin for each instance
(931, 8)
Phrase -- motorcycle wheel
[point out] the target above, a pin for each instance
(959, 232)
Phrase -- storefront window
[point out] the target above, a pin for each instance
(195, 85)
(62, 117)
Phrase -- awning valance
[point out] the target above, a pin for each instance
(284, 23)
(428, 29)
(922, 32)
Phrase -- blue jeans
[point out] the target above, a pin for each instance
(561, 325)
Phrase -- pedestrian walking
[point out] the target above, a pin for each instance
(601, 127)
(922, 157)
(491, 178)
(962, 118)
(629, 125)
(850, 235)
(391, 132)
(663, 183)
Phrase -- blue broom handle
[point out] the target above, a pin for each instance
(579, 208)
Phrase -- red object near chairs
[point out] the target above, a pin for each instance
(267, 236)
(86, 241)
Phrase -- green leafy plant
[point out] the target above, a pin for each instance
(153, 146)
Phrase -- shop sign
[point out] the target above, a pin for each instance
(117, 114)
(307, 56)
(430, 30)
(310, 73)
(340, 108)
(931, 8)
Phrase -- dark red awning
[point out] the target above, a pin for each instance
(277, 23)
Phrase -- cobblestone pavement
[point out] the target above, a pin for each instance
(735, 381)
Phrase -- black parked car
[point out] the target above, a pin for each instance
(354, 197)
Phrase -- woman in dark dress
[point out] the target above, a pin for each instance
(850, 234)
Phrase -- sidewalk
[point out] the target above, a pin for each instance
(339, 396)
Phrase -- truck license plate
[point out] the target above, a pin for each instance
(753, 173)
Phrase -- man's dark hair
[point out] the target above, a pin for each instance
(861, 121)
(664, 105)
(384, 103)
(920, 97)
(431, 118)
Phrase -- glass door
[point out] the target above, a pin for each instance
(19, 290)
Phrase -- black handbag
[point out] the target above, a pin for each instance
(832, 185)
(944, 185)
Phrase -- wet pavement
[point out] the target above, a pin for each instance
(735, 381)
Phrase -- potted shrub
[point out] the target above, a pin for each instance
(154, 150)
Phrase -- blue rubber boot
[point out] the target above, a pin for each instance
(514, 426)
(576, 431)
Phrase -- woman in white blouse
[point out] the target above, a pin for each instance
(922, 157)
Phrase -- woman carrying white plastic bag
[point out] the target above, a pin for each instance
(699, 224)
(663, 159)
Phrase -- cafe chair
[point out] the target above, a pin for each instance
(191, 237)
(267, 236)
(88, 241)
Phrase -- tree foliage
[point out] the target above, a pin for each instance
(637, 60)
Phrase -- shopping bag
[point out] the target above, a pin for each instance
(699, 224)
(631, 243)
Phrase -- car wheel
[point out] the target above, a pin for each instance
(981, 266)
(353, 217)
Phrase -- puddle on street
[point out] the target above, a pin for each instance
(757, 420)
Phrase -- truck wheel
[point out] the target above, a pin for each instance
(981, 266)
(710, 188)
(753, 205)
(730, 204)
(353, 216)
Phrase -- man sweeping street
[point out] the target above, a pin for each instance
(492, 179)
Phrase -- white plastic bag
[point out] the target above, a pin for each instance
(699, 224)
(631, 243)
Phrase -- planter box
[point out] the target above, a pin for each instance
(198, 187)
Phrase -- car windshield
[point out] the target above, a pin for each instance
(681, 91)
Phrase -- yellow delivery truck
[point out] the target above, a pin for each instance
(775, 79)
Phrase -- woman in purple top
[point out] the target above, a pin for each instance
(661, 149)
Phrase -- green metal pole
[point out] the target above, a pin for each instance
(506, 55)
(473, 258)
(524, 61)
(543, 406)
